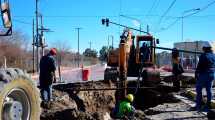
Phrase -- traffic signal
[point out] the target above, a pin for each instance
(6, 18)
(105, 22)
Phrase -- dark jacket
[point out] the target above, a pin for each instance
(206, 63)
(177, 69)
(144, 53)
(47, 69)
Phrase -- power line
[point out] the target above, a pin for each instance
(23, 22)
(165, 13)
(150, 10)
(169, 26)
(135, 15)
(153, 5)
(202, 9)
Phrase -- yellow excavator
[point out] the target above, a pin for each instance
(19, 95)
(126, 61)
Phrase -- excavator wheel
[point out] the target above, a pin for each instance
(19, 96)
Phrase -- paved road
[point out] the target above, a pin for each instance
(72, 75)
(75, 75)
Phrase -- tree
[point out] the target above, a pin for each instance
(65, 56)
(15, 49)
(103, 53)
(90, 53)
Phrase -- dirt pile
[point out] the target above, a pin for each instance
(76, 101)
(102, 101)
(81, 105)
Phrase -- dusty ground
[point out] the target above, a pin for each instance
(155, 104)
(173, 111)
(83, 105)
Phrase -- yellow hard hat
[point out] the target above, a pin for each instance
(130, 97)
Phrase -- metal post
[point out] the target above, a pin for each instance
(41, 36)
(108, 42)
(147, 29)
(182, 28)
(78, 47)
(33, 44)
(112, 41)
(37, 36)
(140, 28)
(90, 44)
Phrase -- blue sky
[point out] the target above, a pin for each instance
(64, 16)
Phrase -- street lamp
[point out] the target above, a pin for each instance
(133, 19)
(182, 26)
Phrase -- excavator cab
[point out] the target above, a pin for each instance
(145, 53)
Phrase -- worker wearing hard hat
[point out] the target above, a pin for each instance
(125, 107)
(205, 74)
(47, 75)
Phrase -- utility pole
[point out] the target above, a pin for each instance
(90, 44)
(33, 44)
(108, 42)
(37, 36)
(78, 29)
(42, 43)
(147, 29)
(112, 41)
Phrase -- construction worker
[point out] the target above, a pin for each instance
(144, 53)
(47, 75)
(177, 69)
(125, 109)
(205, 75)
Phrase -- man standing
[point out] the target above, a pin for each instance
(177, 69)
(144, 53)
(205, 75)
(47, 75)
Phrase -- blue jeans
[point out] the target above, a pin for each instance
(46, 93)
(204, 80)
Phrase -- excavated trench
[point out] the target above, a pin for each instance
(152, 96)
(97, 105)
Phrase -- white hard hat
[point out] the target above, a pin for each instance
(207, 44)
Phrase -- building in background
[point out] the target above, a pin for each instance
(190, 60)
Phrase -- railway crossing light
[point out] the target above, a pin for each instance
(6, 18)
(105, 22)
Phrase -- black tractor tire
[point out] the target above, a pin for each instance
(19, 96)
